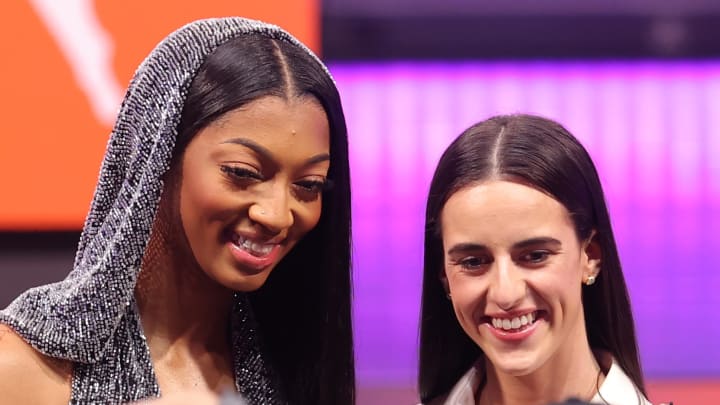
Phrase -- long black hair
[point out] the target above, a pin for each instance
(304, 308)
(542, 154)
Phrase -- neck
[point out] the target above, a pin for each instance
(572, 372)
(180, 306)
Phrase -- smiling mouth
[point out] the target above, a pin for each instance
(515, 324)
(256, 249)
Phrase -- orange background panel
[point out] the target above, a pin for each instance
(51, 142)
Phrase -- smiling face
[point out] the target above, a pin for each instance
(514, 268)
(251, 187)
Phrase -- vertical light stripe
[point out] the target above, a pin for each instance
(652, 129)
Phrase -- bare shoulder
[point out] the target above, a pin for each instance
(29, 377)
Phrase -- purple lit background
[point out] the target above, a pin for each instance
(652, 129)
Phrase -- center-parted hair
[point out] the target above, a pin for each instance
(538, 153)
(304, 308)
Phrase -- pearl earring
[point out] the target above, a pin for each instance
(590, 280)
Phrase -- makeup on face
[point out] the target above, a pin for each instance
(513, 268)
(252, 185)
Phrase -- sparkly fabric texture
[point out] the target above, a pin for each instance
(91, 318)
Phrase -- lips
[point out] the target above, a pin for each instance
(514, 328)
(257, 249)
(253, 255)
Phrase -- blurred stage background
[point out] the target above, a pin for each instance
(637, 81)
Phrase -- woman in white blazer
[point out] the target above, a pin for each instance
(524, 300)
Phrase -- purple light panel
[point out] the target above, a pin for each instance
(652, 129)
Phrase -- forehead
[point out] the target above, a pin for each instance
(502, 212)
(294, 124)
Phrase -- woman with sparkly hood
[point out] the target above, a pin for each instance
(216, 253)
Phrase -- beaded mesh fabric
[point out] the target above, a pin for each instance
(91, 318)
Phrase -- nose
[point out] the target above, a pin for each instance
(272, 211)
(507, 286)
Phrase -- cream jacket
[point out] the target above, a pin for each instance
(617, 389)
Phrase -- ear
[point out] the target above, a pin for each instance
(591, 257)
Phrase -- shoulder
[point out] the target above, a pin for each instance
(464, 390)
(436, 401)
(29, 377)
(618, 388)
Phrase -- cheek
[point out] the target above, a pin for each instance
(206, 197)
(570, 282)
(558, 288)
(308, 217)
(467, 297)
(198, 212)
(193, 203)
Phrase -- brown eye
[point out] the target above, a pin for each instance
(536, 256)
(474, 263)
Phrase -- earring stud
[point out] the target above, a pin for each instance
(590, 280)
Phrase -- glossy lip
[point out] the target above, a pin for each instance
(246, 259)
(513, 337)
(250, 261)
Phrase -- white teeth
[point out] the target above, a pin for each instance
(263, 249)
(257, 249)
(514, 323)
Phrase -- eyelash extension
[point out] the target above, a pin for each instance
(240, 173)
(320, 185)
(329, 184)
(311, 185)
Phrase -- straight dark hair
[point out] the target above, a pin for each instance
(304, 308)
(539, 153)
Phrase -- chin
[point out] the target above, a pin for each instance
(516, 370)
(247, 283)
(515, 365)
(239, 278)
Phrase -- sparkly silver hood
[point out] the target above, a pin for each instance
(90, 316)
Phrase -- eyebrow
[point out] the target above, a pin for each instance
(469, 247)
(266, 154)
(544, 240)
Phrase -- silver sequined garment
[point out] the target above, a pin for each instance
(90, 318)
